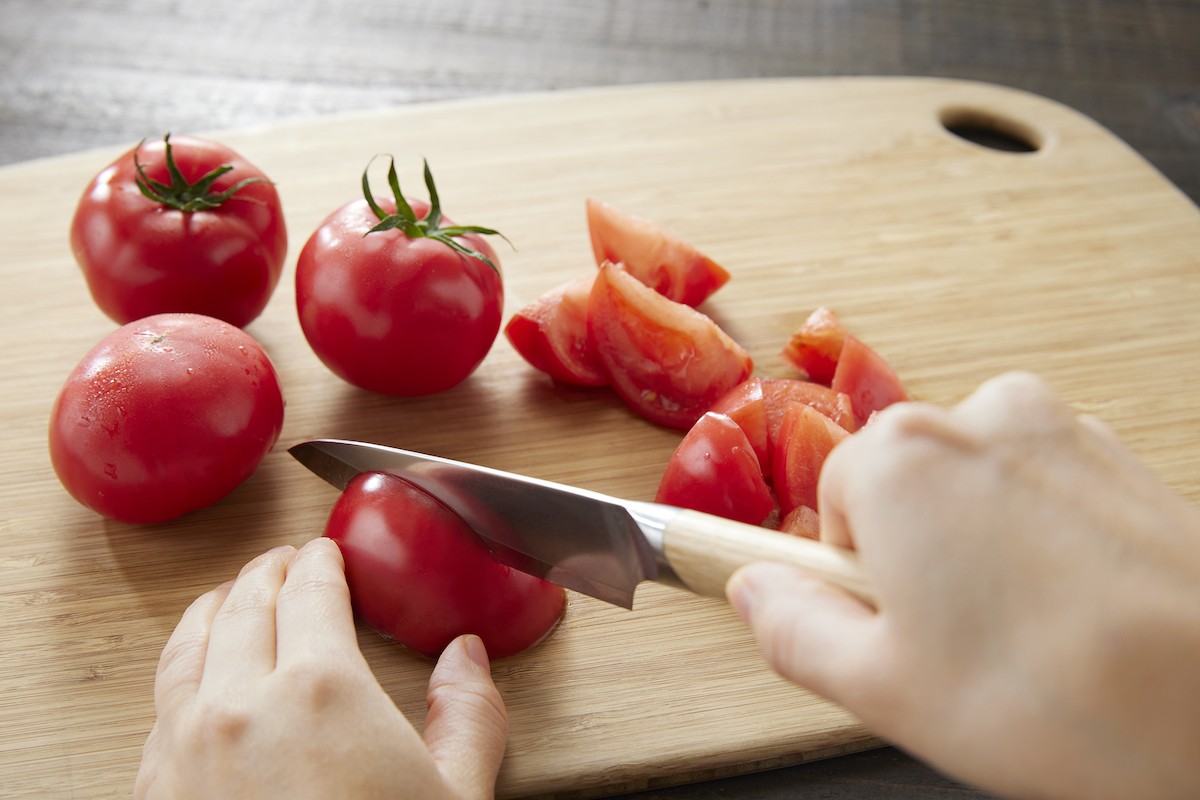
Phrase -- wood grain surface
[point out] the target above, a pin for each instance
(955, 261)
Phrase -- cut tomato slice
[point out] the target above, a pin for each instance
(668, 362)
(551, 334)
(802, 521)
(663, 262)
(715, 470)
(867, 379)
(759, 405)
(744, 404)
(805, 439)
(815, 347)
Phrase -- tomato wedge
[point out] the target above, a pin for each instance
(815, 347)
(805, 438)
(551, 333)
(759, 405)
(668, 362)
(670, 266)
(715, 470)
(867, 379)
(802, 521)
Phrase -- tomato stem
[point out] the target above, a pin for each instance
(429, 227)
(180, 194)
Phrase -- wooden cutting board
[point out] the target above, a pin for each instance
(955, 261)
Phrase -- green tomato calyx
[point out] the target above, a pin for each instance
(180, 194)
(430, 227)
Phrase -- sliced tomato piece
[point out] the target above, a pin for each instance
(551, 334)
(802, 521)
(668, 362)
(867, 379)
(715, 470)
(758, 405)
(780, 393)
(805, 439)
(663, 262)
(815, 346)
(744, 404)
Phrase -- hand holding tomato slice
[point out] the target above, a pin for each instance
(395, 298)
(165, 415)
(181, 225)
(668, 362)
(418, 574)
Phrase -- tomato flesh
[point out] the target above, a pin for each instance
(670, 266)
(551, 333)
(668, 362)
(164, 416)
(806, 437)
(418, 574)
(815, 347)
(715, 470)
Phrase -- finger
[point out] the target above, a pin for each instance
(313, 614)
(1013, 402)
(809, 631)
(466, 729)
(148, 769)
(241, 643)
(181, 664)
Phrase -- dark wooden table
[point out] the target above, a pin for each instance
(75, 75)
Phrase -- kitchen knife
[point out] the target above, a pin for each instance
(585, 541)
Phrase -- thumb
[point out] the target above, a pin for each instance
(466, 729)
(809, 631)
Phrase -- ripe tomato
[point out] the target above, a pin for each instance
(419, 575)
(867, 379)
(670, 266)
(805, 439)
(165, 415)
(667, 361)
(551, 334)
(396, 299)
(714, 470)
(212, 242)
(815, 347)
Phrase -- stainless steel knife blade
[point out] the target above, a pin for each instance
(592, 543)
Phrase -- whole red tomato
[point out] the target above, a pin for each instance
(396, 299)
(165, 415)
(181, 225)
(419, 575)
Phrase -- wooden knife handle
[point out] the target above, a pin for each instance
(704, 551)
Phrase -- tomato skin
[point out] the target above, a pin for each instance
(140, 257)
(164, 416)
(395, 315)
(667, 361)
(868, 380)
(418, 574)
(714, 470)
(806, 437)
(551, 333)
(666, 264)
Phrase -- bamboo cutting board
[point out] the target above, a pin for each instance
(955, 261)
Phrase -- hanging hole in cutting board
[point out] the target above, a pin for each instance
(991, 130)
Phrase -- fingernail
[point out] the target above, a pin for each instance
(476, 650)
